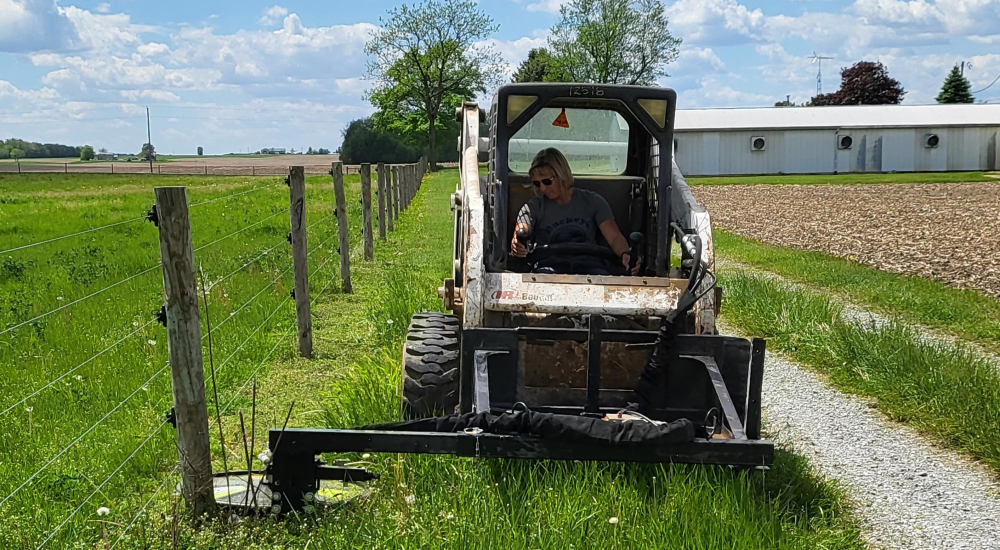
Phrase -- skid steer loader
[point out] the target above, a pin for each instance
(539, 365)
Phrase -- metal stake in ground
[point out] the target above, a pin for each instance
(380, 192)
(184, 343)
(366, 210)
(300, 257)
(345, 243)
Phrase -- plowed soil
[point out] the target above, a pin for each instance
(949, 232)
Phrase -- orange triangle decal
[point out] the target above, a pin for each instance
(561, 120)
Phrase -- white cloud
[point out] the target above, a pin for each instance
(716, 22)
(153, 49)
(547, 6)
(31, 25)
(155, 95)
(103, 7)
(272, 15)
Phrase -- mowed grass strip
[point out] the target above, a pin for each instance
(450, 502)
(963, 313)
(842, 179)
(83, 387)
(944, 391)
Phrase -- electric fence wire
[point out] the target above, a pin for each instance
(248, 302)
(252, 334)
(78, 233)
(84, 434)
(229, 196)
(232, 400)
(244, 266)
(234, 233)
(78, 300)
(103, 483)
(76, 368)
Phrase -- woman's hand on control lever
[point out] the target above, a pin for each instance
(517, 248)
(626, 260)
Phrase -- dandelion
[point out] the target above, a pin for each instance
(613, 520)
(366, 456)
(103, 511)
(78, 378)
(60, 298)
(145, 388)
(151, 342)
(388, 322)
(410, 499)
(29, 409)
(135, 323)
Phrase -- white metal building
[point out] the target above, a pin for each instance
(830, 140)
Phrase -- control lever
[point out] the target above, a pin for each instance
(522, 237)
(634, 240)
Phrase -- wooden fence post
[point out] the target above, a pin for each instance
(380, 192)
(345, 242)
(180, 294)
(390, 201)
(366, 210)
(395, 192)
(300, 257)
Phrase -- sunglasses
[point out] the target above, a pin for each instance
(546, 182)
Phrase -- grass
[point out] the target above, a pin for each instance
(842, 179)
(104, 358)
(964, 313)
(944, 391)
(448, 502)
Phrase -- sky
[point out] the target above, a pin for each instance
(239, 76)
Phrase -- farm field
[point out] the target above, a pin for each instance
(420, 501)
(180, 165)
(84, 379)
(942, 231)
(845, 179)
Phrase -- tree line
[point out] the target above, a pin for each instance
(18, 148)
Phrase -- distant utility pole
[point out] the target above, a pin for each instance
(963, 65)
(149, 140)
(819, 72)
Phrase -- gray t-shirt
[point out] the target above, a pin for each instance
(574, 222)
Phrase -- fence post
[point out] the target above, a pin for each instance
(65, 168)
(395, 191)
(184, 344)
(411, 176)
(253, 170)
(300, 258)
(112, 168)
(380, 192)
(390, 201)
(345, 243)
(366, 210)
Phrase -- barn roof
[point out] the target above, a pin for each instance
(844, 116)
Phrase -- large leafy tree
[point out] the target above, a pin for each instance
(424, 61)
(86, 153)
(148, 152)
(613, 41)
(864, 83)
(540, 66)
(956, 88)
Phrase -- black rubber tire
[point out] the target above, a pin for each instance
(430, 365)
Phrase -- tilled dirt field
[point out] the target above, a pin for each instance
(949, 232)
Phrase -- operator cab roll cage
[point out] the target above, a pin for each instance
(648, 109)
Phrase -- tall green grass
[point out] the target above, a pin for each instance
(943, 390)
(103, 411)
(964, 313)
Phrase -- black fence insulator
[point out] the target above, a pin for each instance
(338, 251)
(161, 315)
(152, 216)
(292, 293)
(289, 238)
(330, 171)
(288, 181)
(171, 417)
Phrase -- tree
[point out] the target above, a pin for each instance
(956, 88)
(363, 142)
(15, 154)
(201, 151)
(613, 41)
(425, 60)
(148, 152)
(540, 66)
(864, 83)
(86, 153)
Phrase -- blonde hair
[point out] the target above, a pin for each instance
(555, 160)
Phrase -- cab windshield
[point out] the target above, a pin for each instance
(595, 141)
